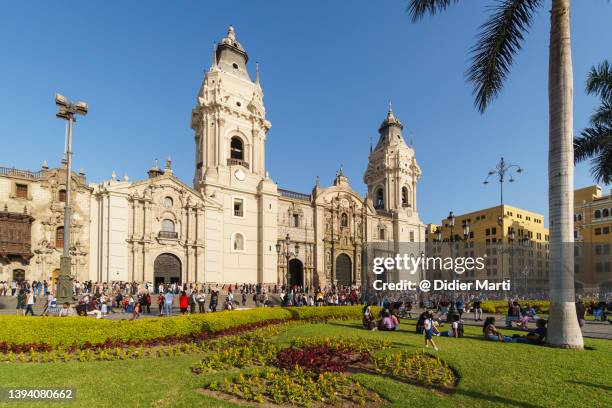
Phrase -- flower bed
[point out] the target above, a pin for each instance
(321, 358)
(295, 388)
(357, 344)
(232, 338)
(312, 371)
(417, 368)
(46, 333)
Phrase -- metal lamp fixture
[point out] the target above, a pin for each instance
(67, 111)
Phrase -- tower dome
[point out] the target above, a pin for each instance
(390, 120)
(229, 48)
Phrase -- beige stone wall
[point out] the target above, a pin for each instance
(48, 212)
(154, 202)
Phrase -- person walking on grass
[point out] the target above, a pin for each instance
(430, 330)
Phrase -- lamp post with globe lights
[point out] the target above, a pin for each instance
(67, 111)
(504, 171)
(452, 239)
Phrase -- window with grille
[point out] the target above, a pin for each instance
(59, 237)
(21, 190)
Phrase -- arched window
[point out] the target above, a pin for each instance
(379, 199)
(605, 213)
(344, 220)
(597, 214)
(61, 196)
(406, 197)
(168, 202)
(236, 148)
(59, 237)
(238, 243)
(168, 225)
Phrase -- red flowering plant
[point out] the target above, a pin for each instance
(320, 358)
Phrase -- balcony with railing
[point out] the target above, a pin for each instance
(237, 162)
(168, 235)
(27, 174)
(294, 195)
(384, 212)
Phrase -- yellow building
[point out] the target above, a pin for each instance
(515, 244)
(593, 236)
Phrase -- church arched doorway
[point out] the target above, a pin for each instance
(166, 270)
(344, 270)
(296, 273)
(18, 275)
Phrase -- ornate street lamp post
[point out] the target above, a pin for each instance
(286, 252)
(511, 236)
(501, 170)
(67, 111)
(452, 240)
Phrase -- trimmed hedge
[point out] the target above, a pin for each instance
(80, 330)
(501, 306)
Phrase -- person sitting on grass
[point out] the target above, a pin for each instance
(368, 320)
(535, 336)
(429, 330)
(456, 328)
(491, 333)
(66, 310)
(388, 322)
(529, 313)
(514, 313)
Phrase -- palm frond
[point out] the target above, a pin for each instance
(417, 9)
(601, 165)
(591, 141)
(499, 40)
(596, 142)
(599, 81)
(602, 114)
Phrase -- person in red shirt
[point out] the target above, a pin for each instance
(183, 302)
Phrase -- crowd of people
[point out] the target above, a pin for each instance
(135, 299)
(431, 322)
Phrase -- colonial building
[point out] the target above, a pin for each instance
(234, 224)
(593, 236)
(514, 241)
(32, 223)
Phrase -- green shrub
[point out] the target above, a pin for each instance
(79, 330)
(501, 306)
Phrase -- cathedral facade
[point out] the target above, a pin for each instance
(233, 224)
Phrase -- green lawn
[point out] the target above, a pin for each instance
(491, 374)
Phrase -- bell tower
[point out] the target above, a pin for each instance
(392, 172)
(230, 130)
(229, 119)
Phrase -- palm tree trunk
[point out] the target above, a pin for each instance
(563, 329)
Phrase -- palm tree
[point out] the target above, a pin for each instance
(595, 142)
(500, 38)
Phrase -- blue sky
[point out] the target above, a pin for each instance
(328, 69)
